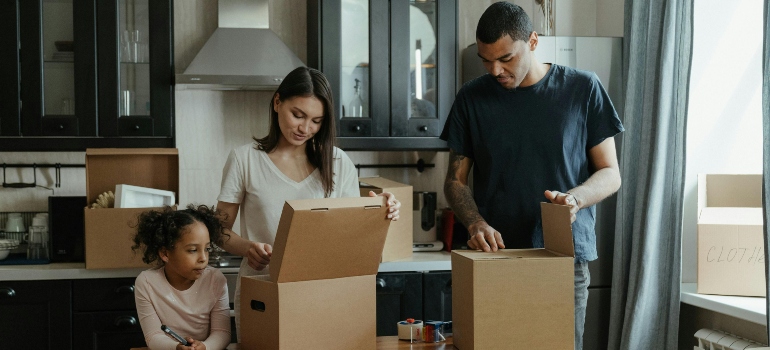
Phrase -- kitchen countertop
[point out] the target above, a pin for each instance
(385, 343)
(420, 261)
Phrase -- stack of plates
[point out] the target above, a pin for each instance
(8, 244)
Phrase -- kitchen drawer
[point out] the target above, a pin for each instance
(107, 330)
(103, 294)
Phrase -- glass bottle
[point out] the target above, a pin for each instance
(356, 107)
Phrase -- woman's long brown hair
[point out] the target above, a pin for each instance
(307, 82)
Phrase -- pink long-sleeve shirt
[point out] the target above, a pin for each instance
(201, 312)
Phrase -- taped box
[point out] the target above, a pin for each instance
(398, 245)
(108, 231)
(517, 298)
(321, 291)
(731, 255)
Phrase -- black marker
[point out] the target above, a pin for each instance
(173, 334)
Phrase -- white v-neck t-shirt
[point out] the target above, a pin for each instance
(252, 180)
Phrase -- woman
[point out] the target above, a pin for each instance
(296, 160)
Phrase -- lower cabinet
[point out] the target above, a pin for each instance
(437, 296)
(104, 314)
(35, 315)
(399, 296)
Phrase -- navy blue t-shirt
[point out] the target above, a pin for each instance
(528, 140)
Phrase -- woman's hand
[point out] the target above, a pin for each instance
(393, 204)
(259, 255)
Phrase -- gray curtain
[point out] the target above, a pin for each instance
(766, 143)
(646, 276)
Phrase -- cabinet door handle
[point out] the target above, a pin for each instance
(129, 289)
(7, 292)
(381, 283)
(125, 321)
(424, 128)
(357, 128)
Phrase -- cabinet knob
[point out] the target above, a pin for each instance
(7, 292)
(61, 126)
(129, 289)
(136, 127)
(380, 283)
(125, 321)
(356, 128)
(424, 128)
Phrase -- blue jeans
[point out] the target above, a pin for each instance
(582, 280)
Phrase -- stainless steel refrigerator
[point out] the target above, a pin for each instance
(604, 56)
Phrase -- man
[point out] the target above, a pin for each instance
(534, 131)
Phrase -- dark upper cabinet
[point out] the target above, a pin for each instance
(82, 73)
(392, 68)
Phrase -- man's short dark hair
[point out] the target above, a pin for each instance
(503, 18)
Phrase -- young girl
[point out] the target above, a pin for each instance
(182, 292)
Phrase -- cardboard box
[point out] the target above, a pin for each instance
(517, 298)
(731, 255)
(321, 291)
(109, 232)
(399, 242)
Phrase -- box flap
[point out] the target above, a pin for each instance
(731, 216)
(329, 238)
(729, 190)
(507, 254)
(379, 182)
(156, 168)
(557, 228)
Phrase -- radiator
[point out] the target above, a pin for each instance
(715, 340)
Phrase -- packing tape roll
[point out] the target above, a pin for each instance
(410, 331)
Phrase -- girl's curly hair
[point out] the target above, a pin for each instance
(161, 229)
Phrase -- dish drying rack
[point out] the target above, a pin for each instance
(19, 236)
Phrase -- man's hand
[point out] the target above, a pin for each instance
(568, 199)
(259, 255)
(484, 237)
(393, 204)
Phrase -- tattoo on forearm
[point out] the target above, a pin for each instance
(459, 194)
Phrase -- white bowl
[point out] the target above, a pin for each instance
(4, 253)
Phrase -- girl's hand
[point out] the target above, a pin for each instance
(393, 204)
(194, 345)
(259, 255)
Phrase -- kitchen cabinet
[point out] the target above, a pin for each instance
(399, 296)
(35, 315)
(437, 296)
(82, 73)
(392, 68)
(104, 314)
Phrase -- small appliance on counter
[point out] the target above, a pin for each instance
(424, 222)
(66, 229)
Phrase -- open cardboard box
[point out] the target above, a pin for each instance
(398, 245)
(731, 255)
(108, 231)
(321, 291)
(517, 298)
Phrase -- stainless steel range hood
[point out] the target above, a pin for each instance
(242, 54)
